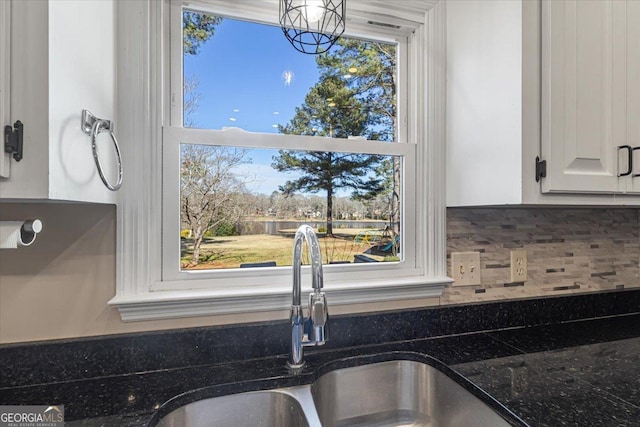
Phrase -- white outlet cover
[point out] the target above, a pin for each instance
(465, 268)
(518, 266)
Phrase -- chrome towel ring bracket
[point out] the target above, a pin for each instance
(93, 126)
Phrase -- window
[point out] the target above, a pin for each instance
(257, 138)
(239, 208)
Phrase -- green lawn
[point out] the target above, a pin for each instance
(231, 251)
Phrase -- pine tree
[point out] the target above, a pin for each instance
(330, 109)
(370, 72)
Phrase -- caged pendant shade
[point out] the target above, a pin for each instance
(312, 26)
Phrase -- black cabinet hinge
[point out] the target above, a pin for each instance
(13, 140)
(541, 169)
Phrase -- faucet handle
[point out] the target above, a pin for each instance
(319, 318)
(318, 310)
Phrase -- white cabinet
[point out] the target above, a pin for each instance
(633, 91)
(590, 94)
(62, 61)
(5, 80)
(499, 120)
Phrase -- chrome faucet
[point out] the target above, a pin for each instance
(313, 330)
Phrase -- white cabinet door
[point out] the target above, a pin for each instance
(5, 82)
(633, 91)
(586, 91)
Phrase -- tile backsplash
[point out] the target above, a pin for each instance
(569, 250)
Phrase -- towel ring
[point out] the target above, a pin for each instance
(93, 126)
(98, 127)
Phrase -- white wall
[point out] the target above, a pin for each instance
(81, 76)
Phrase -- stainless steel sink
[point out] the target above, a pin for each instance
(398, 393)
(260, 408)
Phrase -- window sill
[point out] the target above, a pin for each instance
(191, 303)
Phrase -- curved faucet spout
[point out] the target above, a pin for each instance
(303, 233)
(313, 330)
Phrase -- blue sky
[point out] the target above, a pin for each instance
(248, 84)
(251, 77)
(253, 87)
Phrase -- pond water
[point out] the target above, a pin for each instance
(273, 227)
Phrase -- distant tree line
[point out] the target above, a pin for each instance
(298, 206)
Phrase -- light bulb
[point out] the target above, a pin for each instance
(314, 9)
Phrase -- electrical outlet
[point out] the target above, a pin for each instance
(518, 266)
(465, 268)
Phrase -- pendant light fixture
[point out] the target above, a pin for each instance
(312, 26)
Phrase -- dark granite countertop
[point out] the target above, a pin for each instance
(574, 373)
(584, 373)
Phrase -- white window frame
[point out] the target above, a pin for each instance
(232, 279)
(148, 289)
